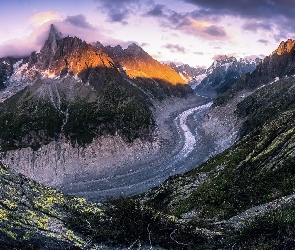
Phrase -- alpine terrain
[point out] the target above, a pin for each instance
(156, 164)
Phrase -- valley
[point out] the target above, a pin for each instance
(107, 148)
(181, 146)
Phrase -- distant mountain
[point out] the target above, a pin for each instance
(193, 75)
(223, 73)
(279, 64)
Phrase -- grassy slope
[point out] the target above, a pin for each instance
(195, 210)
(35, 217)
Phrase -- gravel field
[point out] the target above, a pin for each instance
(182, 145)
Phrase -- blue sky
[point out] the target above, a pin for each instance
(183, 31)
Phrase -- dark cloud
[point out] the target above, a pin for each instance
(263, 41)
(178, 19)
(157, 11)
(168, 18)
(175, 48)
(117, 10)
(250, 8)
(215, 31)
(79, 21)
(254, 26)
(185, 22)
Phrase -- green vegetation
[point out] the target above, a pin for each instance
(274, 230)
(30, 120)
(33, 216)
(196, 210)
(266, 103)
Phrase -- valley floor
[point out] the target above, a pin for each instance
(182, 146)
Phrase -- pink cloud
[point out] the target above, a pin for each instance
(70, 26)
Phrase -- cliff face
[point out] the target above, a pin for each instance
(59, 163)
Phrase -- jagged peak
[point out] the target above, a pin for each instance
(54, 34)
(285, 47)
(98, 45)
(136, 50)
(51, 42)
(133, 45)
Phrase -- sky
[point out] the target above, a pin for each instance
(194, 32)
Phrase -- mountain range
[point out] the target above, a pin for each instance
(71, 106)
(219, 77)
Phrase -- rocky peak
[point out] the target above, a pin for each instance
(137, 63)
(98, 45)
(136, 50)
(188, 72)
(50, 45)
(285, 47)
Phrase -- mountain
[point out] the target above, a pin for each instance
(279, 64)
(158, 79)
(241, 198)
(193, 75)
(8, 66)
(72, 99)
(223, 73)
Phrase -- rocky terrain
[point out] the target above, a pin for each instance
(67, 124)
(223, 73)
(72, 111)
(193, 75)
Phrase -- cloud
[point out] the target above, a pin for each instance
(118, 10)
(199, 53)
(175, 48)
(219, 57)
(265, 42)
(251, 8)
(253, 57)
(255, 26)
(168, 17)
(156, 11)
(186, 23)
(24, 46)
(44, 16)
(205, 30)
(144, 44)
(79, 21)
(70, 26)
(215, 31)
